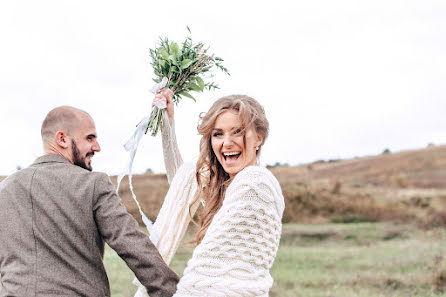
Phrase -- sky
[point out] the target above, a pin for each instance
(337, 79)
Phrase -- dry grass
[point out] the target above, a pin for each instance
(405, 186)
(439, 274)
(399, 187)
(150, 190)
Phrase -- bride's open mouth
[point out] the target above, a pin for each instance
(231, 157)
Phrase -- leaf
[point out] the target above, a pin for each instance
(193, 86)
(165, 70)
(164, 54)
(188, 29)
(186, 63)
(200, 83)
(207, 68)
(173, 59)
(173, 47)
(163, 63)
(184, 93)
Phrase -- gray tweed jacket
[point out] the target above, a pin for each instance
(54, 219)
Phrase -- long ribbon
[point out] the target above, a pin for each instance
(131, 146)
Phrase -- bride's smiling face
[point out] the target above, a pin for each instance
(233, 148)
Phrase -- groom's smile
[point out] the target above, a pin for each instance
(84, 143)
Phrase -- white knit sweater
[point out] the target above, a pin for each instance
(238, 250)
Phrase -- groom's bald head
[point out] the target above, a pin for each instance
(62, 118)
(71, 133)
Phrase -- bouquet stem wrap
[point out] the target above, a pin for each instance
(157, 110)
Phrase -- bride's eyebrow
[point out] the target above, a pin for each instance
(232, 129)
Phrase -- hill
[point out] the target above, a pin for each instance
(403, 186)
(409, 185)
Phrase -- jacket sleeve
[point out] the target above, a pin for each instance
(121, 232)
(241, 243)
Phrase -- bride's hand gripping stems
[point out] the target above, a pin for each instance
(166, 94)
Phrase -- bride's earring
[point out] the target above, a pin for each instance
(257, 148)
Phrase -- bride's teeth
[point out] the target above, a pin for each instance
(231, 153)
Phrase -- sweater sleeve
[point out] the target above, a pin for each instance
(175, 213)
(173, 218)
(241, 243)
(171, 152)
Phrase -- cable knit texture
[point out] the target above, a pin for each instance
(238, 250)
(241, 243)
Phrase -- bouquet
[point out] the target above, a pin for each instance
(183, 69)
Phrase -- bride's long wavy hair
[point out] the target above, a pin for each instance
(211, 177)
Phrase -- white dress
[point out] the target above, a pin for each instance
(238, 250)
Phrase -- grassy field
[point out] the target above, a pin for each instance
(371, 226)
(399, 249)
(366, 259)
(338, 260)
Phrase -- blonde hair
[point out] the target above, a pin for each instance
(211, 177)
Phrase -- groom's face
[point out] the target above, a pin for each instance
(78, 158)
(84, 143)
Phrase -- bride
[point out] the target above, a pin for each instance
(240, 221)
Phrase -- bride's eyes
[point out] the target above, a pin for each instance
(237, 131)
(234, 132)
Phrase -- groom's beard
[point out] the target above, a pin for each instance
(78, 159)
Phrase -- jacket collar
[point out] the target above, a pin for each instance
(51, 158)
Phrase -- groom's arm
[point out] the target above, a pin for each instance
(121, 232)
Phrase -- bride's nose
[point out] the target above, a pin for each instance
(227, 140)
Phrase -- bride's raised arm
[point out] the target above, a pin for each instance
(174, 216)
(171, 152)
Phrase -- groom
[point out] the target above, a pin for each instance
(56, 214)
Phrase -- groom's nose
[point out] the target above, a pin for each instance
(96, 147)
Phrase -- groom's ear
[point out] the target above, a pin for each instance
(61, 139)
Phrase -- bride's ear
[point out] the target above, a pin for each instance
(259, 140)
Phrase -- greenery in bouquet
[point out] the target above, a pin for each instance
(187, 68)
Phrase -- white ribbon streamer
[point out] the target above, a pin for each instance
(159, 86)
(131, 146)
